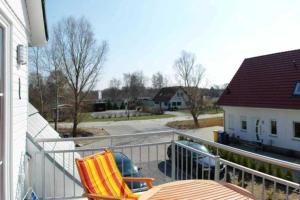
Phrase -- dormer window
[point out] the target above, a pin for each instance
(297, 89)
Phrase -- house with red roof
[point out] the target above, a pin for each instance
(262, 101)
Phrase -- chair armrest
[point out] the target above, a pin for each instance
(148, 181)
(101, 197)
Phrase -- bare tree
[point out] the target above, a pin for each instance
(35, 60)
(115, 83)
(159, 81)
(134, 84)
(190, 76)
(82, 59)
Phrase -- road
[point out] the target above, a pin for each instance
(138, 126)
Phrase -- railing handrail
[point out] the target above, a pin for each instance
(281, 163)
(40, 140)
(261, 174)
(262, 158)
(106, 147)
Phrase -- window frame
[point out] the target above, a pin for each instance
(296, 91)
(243, 119)
(294, 129)
(276, 126)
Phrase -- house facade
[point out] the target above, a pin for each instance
(262, 102)
(170, 98)
(22, 24)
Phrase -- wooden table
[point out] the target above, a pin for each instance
(196, 190)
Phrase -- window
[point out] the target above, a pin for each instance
(166, 103)
(173, 103)
(178, 103)
(297, 89)
(243, 123)
(273, 127)
(297, 129)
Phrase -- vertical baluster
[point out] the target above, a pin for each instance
(191, 176)
(165, 158)
(197, 166)
(225, 173)
(186, 164)
(43, 174)
(209, 171)
(34, 170)
(287, 193)
(54, 185)
(181, 168)
(299, 192)
(202, 170)
(148, 156)
(131, 158)
(233, 172)
(274, 196)
(157, 154)
(122, 150)
(140, 162)
(74, 188)
(263, 188)
(64, 177)
(177, 160)
(243, 178)
(252, 183)
(173, 159)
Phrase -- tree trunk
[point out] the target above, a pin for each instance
(75, 118)
(196, 123)
(56, 101)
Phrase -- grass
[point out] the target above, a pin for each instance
(87, 117)
(189, 124)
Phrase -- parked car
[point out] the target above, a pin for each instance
(128, 169)
(185, 158)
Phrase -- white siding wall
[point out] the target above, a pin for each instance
(285, 131)
(15, 12)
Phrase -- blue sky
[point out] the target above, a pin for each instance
(149, 35)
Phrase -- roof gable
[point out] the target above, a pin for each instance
(165, 94)
(265, 81)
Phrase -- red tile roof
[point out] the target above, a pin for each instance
(265, 81)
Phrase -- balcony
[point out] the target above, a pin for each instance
(53, 175)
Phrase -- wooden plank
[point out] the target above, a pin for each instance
(196, 190)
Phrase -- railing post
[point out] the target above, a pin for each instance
(43, 175)
(173, 159)
(217, 168)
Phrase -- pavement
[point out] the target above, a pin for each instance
(139, 126)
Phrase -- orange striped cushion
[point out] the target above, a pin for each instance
(99, 174)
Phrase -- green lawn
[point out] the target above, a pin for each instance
(87, 117)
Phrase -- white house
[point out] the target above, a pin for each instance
(262, 102)
(22, 24)
(171, 97)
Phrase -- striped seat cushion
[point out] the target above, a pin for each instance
(100, 175)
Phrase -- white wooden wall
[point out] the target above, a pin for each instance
(285, 130)
(15, 12)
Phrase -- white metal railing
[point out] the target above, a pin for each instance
(55, 175)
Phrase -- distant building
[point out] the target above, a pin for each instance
(170, 98)
(262, 101)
